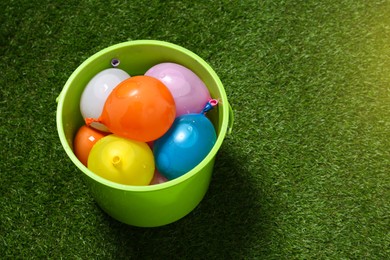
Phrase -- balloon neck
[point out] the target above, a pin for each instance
(89, 120)
(210, 105)
(116, 161)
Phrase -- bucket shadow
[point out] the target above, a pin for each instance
(228, 221)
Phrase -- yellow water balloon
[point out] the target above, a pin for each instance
(122, 160)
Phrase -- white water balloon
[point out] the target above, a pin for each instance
(96, 92)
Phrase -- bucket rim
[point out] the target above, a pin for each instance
(224, 105)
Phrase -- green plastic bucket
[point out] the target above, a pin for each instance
(154, 205)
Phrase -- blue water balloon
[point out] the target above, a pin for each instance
(185, 145)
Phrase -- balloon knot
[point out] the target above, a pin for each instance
(90, 120)
(210, 105)
(116, 161)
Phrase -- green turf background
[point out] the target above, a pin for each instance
(304, 175)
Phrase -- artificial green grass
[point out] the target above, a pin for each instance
(304, 175)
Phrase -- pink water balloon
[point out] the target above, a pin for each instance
(158, 178)
(188, 90)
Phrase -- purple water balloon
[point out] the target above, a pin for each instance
(188, 90)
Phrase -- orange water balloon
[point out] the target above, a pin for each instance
(84, 140)
(140, 108)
